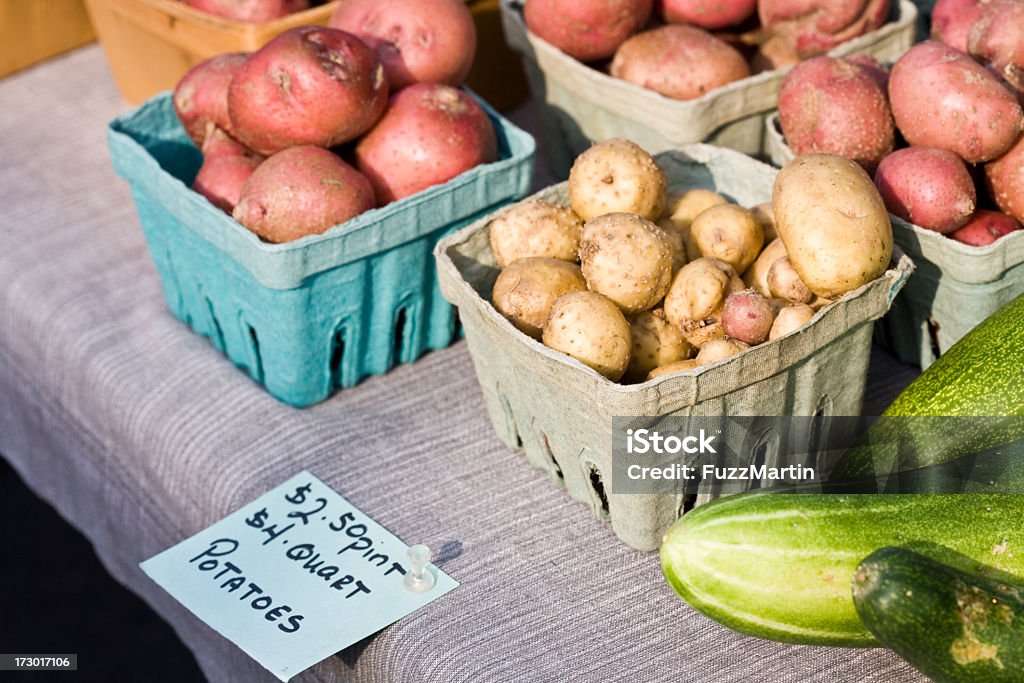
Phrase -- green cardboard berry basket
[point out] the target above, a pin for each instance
(583, 104)
(305, 317)
(559, 412)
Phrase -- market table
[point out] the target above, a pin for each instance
(141, 434)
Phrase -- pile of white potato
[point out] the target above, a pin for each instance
(637, 282)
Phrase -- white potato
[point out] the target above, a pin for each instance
(719, 349)
(790, 318)
(590, 327)
(617, 176)
(834, 223)
(694, 301)
(535, 228)
(656, 342)
(682, 208)
(728, 233)
(763, 214)
(527, 289)
(785, 283)
(756, 276)
(674, 368)
(628, 259)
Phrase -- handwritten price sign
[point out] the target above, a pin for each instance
(293, 577)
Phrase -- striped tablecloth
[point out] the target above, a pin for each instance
(141, 434)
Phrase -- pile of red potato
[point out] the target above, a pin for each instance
(686, 48)
(956, 102)
(324, 123)
(638, 282)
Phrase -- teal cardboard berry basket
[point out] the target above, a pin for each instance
(305, 317)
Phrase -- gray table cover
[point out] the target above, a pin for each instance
(141, 434)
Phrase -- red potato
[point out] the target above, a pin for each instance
(952, 21)
(249, 11)
(984, 228)
(709, 14)
(830, 105)
(878, 72)
(747, 316)
(813, 27)
(1004, 178)
(997, 39)
(681, 62)
(308, 86)
(941, 97)
(226, 167)
(417, 41)
(926, 186)
(429, 134)
(301, 191)
(586, 29)
(201, 96)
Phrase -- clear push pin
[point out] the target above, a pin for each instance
(419, 579)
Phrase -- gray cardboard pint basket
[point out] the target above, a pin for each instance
(955, 286)
(560, 412)
(582, 104)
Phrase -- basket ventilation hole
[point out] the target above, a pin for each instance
(400, 336)
(819, 430)
(456, 325)
(337, 356)
(824, 406)
(555, 469)
(218, 339)
(257, 359)
(760, 456)
(933, 337)
(179, 300)
(597, 486)
(510, 419)
(689, 502)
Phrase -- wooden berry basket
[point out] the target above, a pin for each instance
(150, 44)
(44, 29)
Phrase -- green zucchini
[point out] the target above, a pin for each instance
(953, 626)
(980, 375)
(779, 565)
